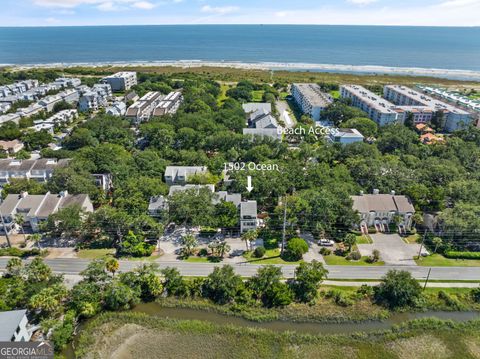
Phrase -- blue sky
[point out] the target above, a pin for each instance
(134, 12)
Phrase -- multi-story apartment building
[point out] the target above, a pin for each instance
(376, 108)
(310, 98)
(169, 104)
(95, 98)
(455, 118)
(40, 170)
(17, 88)
(121, 81)
(379, 210)
(143, 109)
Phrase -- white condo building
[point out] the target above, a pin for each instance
(455, 118)
(378, 109)
(121, 81)
(310, 98)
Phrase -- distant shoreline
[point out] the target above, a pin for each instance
(451, 74)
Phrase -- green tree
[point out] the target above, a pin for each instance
(20, 221)
(367, 127)
(37, 271)
(66, 222)
(437, 242)
(173, 282)
(350, 240)
(295, 249)
(308, 277)
(398, 289)
(49, 300)
(112, 265)
(119, 296)
(249, 236)
(14, 267)
(267, 286)
(226, 215)
(222, 285)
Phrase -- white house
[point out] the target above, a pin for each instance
(14, 326)
(121, 81)
(345, 136)
(180, 174)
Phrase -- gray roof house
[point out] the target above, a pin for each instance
(262, 123)
(179, 174)
(379, 210)
(250, 107)
(14, 326)
(39, 170)
(248, 216)
(37, 208)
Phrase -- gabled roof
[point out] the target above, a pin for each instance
(382, 203)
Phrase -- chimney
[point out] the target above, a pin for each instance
(376, 191)
(392, 193)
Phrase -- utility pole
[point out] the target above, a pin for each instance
(428, 277)
(421, 244)
(284, 223)
(5, 230)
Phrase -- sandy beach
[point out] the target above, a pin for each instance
(274, 66)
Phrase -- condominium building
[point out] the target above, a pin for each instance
(169, 104)
(40, 170)
(36, 209)
(378, 109)
(310, 98)
(143, 109)
(17, 87)
(455, 118)
(95, 98)
(121, 81)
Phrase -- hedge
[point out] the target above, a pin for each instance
(462, 255)
(15, 252)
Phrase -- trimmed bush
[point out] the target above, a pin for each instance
(354, 256)
(475, 293)
(325, 251)
(16, 252)
(462, 255)
(296, 248)
(259, 252)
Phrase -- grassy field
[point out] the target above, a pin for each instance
(233, 74)
(364, 239)
(257, 96)
(437, 260)
(272, 256)
(223, 94)
(135, 335)
(335, 260)
(413, 238)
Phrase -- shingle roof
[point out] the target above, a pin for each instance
(382, 203)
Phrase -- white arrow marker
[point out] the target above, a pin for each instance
(249, 184)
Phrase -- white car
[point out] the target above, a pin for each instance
(326, 243)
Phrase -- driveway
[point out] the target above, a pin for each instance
(393, 250)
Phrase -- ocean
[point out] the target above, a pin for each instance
(388, 46)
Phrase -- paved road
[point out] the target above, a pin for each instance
(74, 266)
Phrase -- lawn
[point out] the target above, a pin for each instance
(437, 260)
(413, 238)
(334, 260)
(257, 95)
(197, 259)
(364, 239)
(223, 93)
(95, 253)
(272, 256)
(335, 94)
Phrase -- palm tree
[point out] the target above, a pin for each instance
(223, 248)
(438, 242)
(350, 240)
(20, 220)
(36, 238)
(112, 266)
(249, 236)
(189, 245)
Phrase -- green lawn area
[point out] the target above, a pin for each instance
(95, 253)
(437, 260)
(272, 256)
(413, 238)
(223, 93)
(364, 239)
(257, 95)
(197, 259)
(334, 260)
(335, 94)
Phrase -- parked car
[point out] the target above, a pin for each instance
(326, 243)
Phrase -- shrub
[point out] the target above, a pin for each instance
(372, 231)
(296, 248)
(398, 289)
(16, 252)
(341, 252)
(354, 256)
(475, 293)
(365, 291)
(339, 298)
(259, 252)
(462, 255)
(375, 257)
(203, 252)
(449, 300)
(325, 251)
(207, 232)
